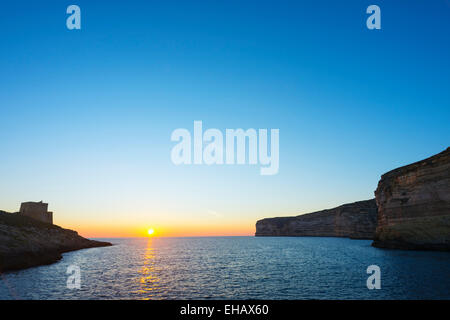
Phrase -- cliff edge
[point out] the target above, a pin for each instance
(354, 220)
(26, 242)
(414, 206)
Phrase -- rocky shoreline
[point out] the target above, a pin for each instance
(414, 206)
(354, 220)
(26, 242)
(411, 210)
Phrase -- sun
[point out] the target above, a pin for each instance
(150, 232)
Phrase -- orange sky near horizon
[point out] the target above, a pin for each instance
(112, 222)
(106, 220)
(131, 231)
(121, 223)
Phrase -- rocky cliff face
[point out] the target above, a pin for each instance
(353, 220)
(25, 242)
(414, 205)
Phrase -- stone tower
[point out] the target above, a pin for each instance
(37, 210)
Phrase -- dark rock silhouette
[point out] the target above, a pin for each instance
(26, 242)
(354, 220)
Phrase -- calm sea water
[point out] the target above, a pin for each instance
(236, 268)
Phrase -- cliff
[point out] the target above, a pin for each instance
(25, 242)
(414, 206)
(354, 220)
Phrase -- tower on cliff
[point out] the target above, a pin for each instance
(37, 211)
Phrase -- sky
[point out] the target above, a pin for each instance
(86, 115)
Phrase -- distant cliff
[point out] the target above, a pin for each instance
(414, 205)
(25, 242)
(354, 220)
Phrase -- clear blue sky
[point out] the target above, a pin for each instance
(86, 116)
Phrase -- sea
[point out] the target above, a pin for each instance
(235, 268)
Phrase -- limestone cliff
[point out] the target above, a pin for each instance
(25, 242)
(353, 220)
(414, 205)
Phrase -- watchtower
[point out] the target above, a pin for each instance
(37, 210)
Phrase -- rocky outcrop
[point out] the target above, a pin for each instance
(25, 242)
(354, 220)
(414, 206)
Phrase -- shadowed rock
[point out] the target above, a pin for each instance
(414, 206)
(354, 220)
(26, 242)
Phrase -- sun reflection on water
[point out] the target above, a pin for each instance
(148, 280)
